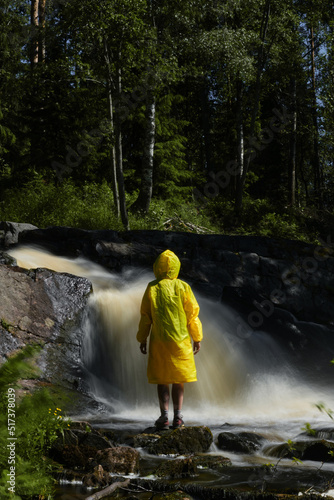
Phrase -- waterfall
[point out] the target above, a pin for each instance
(238, 378)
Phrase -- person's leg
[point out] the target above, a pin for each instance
(163, 395)
(177, 396)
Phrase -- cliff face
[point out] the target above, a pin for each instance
(46, 308)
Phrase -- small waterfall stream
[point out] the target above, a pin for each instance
(239, 379)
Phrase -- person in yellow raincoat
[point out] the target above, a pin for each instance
(169, 315)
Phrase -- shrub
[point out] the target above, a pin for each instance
(35, 421)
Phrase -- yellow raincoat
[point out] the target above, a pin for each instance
(169, 311)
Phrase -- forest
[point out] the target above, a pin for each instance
(203, 116)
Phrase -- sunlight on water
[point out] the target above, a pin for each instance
(239, 380)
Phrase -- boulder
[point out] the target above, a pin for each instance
(318, 450)
(177, 469)
(242, 442)
(44, 307)
(143, 440)
(98, 478)
(67, 450)
(184, 440)
(9, 232)
(212, 462)
(118, 460)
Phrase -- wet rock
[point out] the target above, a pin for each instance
(75, 448)
(10, 232)
(44, 307)
(242, 442)
(6, 259)
(72, 456)
(320, 433)
(177, 469)
(213, 462)
(181, 441)
(316, 450)
(97, 478)
(143, 440)
(92, 439)
(119, 460)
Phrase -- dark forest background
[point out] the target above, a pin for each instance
(186, 115)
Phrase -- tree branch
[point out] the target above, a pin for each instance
(108, 490)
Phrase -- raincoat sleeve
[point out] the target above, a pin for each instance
(145, 318)
(191, 308)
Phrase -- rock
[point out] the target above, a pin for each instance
(97, 478)
(184, 440)
(118, 460)
(213, 462)
(76, 448)
(11, 230)
(7, 259)
(66, 451)
(242, 442)
(44, 307)
(316, 450)
(91, 439)
(177, 469)
(142, 440)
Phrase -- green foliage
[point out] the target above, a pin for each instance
(7, 326)
(308, 429)
(161, 212)
(324, 409)
(273, 224)
(37, 424)
(46, 204)
(211, 71)
(258, 218)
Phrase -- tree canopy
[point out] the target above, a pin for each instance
(132, 111)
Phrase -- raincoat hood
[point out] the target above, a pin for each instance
(167, 265)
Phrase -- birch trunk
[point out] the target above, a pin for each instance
(260, 66)
(293, 148)
(118, 148)
(315, 159)
(110, 89)
(145, 194)
(42, 42)
(240, 149)
(34, 28)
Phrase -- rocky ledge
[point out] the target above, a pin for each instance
(183, 468)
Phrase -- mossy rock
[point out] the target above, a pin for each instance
(315, 450)
(177, 469)
(213, 462)
(182, 441)
(242, 442)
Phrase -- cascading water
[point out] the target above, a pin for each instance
(239, 379)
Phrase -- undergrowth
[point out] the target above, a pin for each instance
(29, 423)
(90, 206)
